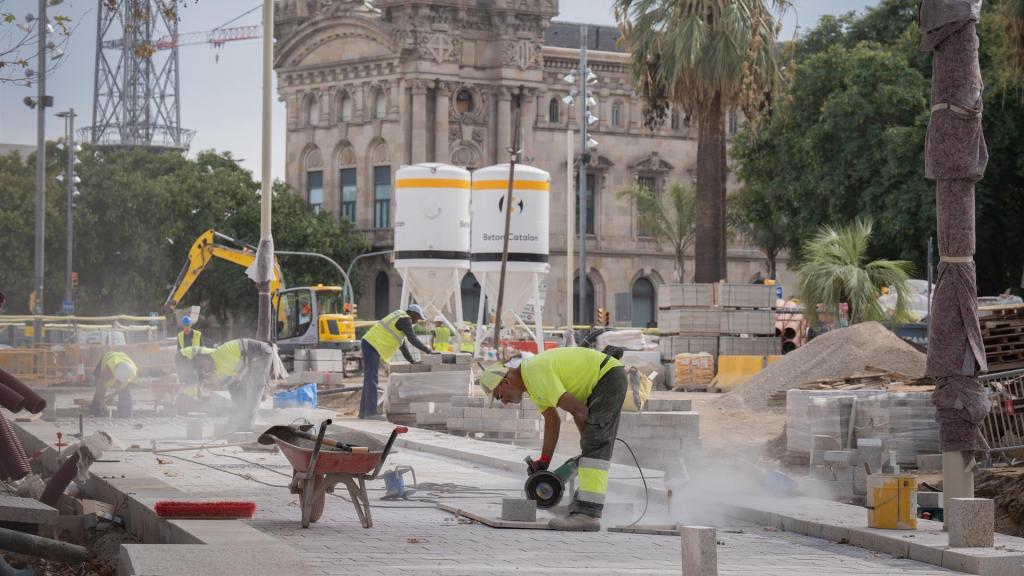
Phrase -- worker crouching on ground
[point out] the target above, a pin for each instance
(379, 344)
(189, 336)
(589, 385)
(113, 374)
(243, 367)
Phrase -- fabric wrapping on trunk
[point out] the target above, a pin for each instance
(955, 156)
(13, 460)
(935, 14)
(961, 404)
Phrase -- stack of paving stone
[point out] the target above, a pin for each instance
(420, 394)
(718, 319)
(665, 433)
(472, 416)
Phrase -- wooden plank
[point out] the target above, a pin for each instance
(494, 522)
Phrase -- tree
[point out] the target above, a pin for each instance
(836, 270)
(669, 217)
(703, 56)
(761, 217)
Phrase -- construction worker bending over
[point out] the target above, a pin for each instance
(589, 385)
(380, 343)
(442, 335)
(188, 336)
(188, 374)
(243, 367)
(113, 374)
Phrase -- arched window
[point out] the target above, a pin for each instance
(314, 167)
(553, 111)
(347, 179)
(382, 295)
(675, 120)
(312, 110)
(643, 306)
(379, 105)
(616, 114)
(464, 102)
(381, 162)
(346, 107)
(588, 308)
(470, 289)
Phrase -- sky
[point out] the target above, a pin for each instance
(220, 88)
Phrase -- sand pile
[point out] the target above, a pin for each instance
(836, 354)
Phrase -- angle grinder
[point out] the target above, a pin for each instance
(548, 486)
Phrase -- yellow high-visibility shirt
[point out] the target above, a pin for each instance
(550, 374)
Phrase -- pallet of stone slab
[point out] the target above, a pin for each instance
(749, 346)
(686, 296)
(689, 321)
(670, 346)
(426, 386)
(872, 380)
(752, 322)
(693, 372)
(745, 296)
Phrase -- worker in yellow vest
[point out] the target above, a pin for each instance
(589, 385)
(113, 374)
(467, 343)
(243, 367)
(380, 343)
(189, 336)
(442, 335)
(188, 375)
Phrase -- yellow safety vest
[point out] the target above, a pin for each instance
(441, 337)
(385, 337)
(111, 360)
(467, 343)
(227, 359)
(197, 337)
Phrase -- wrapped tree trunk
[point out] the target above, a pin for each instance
(955, 157)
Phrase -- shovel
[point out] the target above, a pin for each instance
(303, 431)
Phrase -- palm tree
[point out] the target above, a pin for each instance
(835, 271)
(703, 56)
(669, 217)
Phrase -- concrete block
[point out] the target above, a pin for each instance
(195, 429)
(700, 550)
(460, 401)
(519, 509)
(26, 511)
(840, 457)
(929, 462)
(50, 395)
(184, 559)
(667, 405)
(473, 412)
(971, 522)
(456, 423)
(929, 499)
(432, 359)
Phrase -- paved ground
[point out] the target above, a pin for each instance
(414, 537)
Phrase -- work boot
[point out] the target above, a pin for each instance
(576, 523)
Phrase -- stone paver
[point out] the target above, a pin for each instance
(415, 538)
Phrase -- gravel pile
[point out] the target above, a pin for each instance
(836, 354)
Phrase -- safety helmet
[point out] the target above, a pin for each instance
(186, 321)
(439, 318)
(491, 377)
(415, 309)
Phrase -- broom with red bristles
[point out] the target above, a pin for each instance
(192, 510)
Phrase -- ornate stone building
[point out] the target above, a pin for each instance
(369, 89)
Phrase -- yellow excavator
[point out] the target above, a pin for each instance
(307, 317)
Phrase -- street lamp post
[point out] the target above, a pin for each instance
(585, 78)
(41, 102)
(69, 143)
(264, 265)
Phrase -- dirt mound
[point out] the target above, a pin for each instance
(836, 354)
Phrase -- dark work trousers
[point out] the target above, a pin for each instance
(371, 368)
(598, 441)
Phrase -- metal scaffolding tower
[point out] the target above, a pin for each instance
(135, 95)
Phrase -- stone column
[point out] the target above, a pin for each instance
(419, 122)
(442, 97)
(504, 132)
(529, 117)
(404, 121)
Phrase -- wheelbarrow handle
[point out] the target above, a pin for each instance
(387, 449)
(311, 472)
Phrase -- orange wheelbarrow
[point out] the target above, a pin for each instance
(320, 463)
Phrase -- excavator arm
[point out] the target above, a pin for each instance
(203, 251)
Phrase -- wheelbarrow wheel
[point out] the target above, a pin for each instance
(312, 500)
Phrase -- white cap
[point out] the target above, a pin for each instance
(438, 318)
(124, 373)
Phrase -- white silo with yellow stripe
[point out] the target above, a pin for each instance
(432, 236)
(527, 247)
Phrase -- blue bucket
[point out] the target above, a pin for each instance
(302, 397)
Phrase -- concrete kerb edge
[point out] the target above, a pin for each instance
(899, 543)
(132, 491)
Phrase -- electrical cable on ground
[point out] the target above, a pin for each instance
(647, 493)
